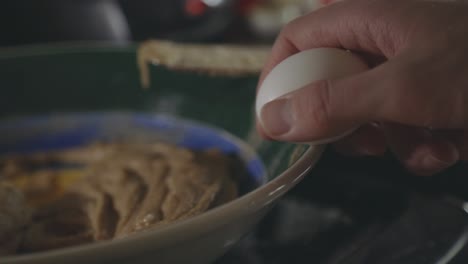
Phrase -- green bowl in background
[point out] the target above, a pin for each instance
(45, 81)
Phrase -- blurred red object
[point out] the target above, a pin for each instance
(244, 6)
(195, 7)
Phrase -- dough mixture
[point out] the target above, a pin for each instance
(106, 191)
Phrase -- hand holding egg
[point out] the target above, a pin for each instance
(413, 102)
(303, 68)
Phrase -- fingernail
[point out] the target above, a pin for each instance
(446, 155)
(430, 162)
(276, 117)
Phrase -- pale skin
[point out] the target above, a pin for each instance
(412, 101)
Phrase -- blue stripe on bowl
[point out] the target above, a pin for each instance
(204, 138)
(56, 140)
(255, 167)
(198, 137)
(47, 133)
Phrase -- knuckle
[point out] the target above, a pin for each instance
(288, 30)
(403, 100)
(416, 101)
(462, 146)
(404, 78)
(458, 116)
(313, 109)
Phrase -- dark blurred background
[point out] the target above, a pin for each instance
(348, 211)
(123, 21)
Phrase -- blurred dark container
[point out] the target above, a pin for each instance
(45, 21)
(30, 21)
(182, 20)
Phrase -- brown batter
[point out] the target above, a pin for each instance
(122, 189)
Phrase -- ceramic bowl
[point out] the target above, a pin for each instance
(52, 96)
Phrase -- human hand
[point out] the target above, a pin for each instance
(413, 100)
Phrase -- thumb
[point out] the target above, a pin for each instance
(322, 109)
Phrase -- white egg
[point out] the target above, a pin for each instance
(303, 68)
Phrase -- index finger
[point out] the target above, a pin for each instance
(344, 24)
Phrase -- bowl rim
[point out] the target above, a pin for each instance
(262, 196)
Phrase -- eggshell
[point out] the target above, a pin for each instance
(303, 68)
